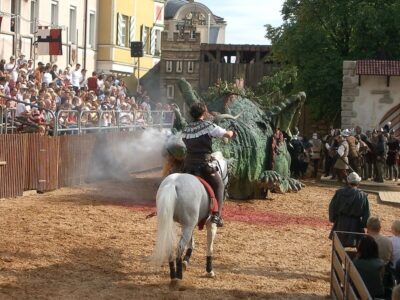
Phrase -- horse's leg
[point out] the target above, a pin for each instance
(211, 232)
(186, 236)
(172, 271)
(188, 254)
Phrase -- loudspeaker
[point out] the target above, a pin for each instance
(136, 49)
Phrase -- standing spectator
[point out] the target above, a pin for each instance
(47, 77)
(342, 162)
(92, 82)
(12, 68)
(393, 156)
(76, 77)
(316, 149)
(354, 155)
(83, 81)
(100, 84)
(2, 66)
(38, 74)
(349, 211)
(21, 60)
(296, 150)
(11, 65)
(30, 67)
(380, 157)
(329, 153)
(370, 266)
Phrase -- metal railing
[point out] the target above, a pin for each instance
(84, 121)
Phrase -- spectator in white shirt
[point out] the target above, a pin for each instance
(47, 77)
(9, 67)
(76, 77)
(21, 60)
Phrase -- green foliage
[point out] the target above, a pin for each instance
(271, 90)
(223, 88)
(317, 35)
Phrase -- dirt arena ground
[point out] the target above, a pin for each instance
(92, 242)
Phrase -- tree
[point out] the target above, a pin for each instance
(317, 35)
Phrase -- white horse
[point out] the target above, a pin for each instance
(182, 198)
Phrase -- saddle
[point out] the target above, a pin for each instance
(213, 201)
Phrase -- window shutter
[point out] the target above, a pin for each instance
(144, 37)
(120, 42)
(132, 29)
(153, 37)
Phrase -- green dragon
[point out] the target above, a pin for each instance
(261, 160)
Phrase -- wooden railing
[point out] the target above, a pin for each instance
(346, 282)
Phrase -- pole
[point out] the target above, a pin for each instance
(85, 35)
(138, 73)
(68, 47)
(209, 27)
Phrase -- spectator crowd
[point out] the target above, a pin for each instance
(373, 154)
(378, 257)
(46, 92)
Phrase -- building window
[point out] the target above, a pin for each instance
(92, 28)
(54, 13)
(190, 67)
(13, 15)
(170, 91)
(179, 66)
(72, 25)
(157, 43)
(124, 31)
(193, 34)
(33, 16)
(168, 66)
(146, 36)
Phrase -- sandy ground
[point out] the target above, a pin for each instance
(92, 242)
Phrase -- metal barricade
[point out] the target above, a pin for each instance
(85, 121)
(68, 121)
(8, 122)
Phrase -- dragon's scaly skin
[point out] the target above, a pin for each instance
(256, 165)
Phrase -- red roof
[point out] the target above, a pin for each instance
(378, 67)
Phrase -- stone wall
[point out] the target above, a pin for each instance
(366, 99)
(183, 49)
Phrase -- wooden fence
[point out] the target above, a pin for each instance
(346, 282)
(211, 73)
(44, 163)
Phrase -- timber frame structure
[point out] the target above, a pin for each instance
(226, 62)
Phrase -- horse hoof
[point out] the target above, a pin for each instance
(185, 265)
(210, 274)
(175, 284)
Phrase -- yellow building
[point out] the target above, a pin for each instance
(122, 22)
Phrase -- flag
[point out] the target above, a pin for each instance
(49, 41)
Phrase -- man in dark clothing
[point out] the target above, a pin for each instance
(197, 137)
(349, 211)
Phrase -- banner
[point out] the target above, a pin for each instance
(49, 41)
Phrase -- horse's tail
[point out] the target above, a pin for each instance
(166, 232)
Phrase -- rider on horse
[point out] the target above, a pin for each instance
(197, 137)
